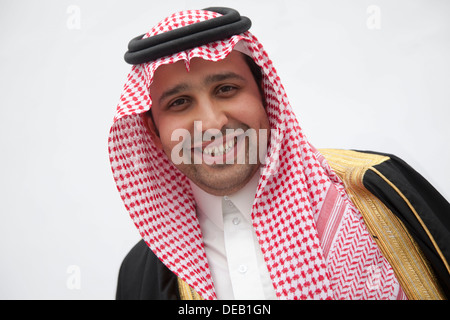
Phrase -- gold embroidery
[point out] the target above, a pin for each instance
(186, 292)
(410, 266)
(438, 250)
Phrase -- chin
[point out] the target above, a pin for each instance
(222, 179)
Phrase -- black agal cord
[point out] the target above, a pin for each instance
(188, 37)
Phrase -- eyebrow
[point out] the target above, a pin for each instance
(173, 91)
(222, 76)
(207, 81)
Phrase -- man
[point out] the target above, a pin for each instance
(201, 101)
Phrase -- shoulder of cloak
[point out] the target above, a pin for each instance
(142, 276)
(408, 218)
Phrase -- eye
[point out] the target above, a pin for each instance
(226, 90)
(178, 103)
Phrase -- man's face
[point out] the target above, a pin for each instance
(211, 118)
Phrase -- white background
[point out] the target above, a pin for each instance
(62, 71)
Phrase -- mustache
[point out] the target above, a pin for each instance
(211, 135)
(201, 138)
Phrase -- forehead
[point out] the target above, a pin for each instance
(169, 74)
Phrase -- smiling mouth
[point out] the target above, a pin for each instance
(215, 151)
(220, 151)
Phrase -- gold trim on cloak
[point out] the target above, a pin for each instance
(186, 292)
(412, 269)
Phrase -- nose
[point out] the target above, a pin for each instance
(210, 116)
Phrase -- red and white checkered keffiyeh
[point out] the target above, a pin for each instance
(295, 186)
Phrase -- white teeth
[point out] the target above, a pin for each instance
(218, 151)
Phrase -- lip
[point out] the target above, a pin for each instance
(199, 149)
(216, 142)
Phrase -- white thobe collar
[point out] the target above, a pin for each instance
(211, 205)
